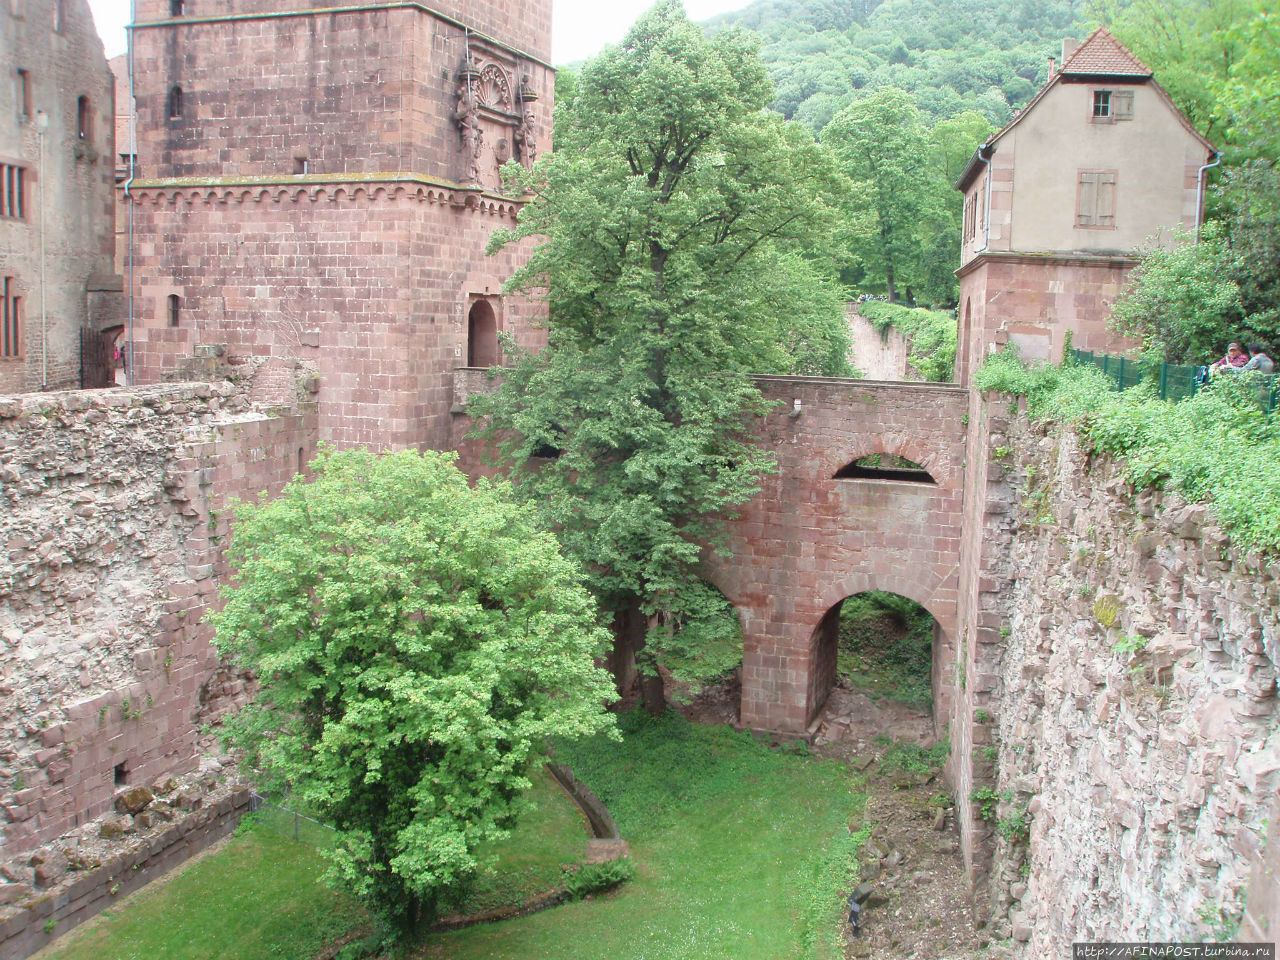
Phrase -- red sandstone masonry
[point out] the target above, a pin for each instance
(136, 559)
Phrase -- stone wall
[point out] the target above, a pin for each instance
(113, 518)
(877, 354)
(1134, 721)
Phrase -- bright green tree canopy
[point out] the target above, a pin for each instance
(416, 641)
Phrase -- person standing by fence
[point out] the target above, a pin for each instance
(1259, 360)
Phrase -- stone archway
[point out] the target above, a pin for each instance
(482, 335)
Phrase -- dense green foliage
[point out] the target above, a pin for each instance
(1182, 301)
(886, 647)
(950, 55)
(676, 219)
(1219, 60)
(1217, 446)
(211, 909)
(932, 334)
(416, 641)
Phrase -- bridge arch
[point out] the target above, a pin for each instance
(808, 540)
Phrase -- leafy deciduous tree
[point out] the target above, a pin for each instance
(677, 216)
(416, 641)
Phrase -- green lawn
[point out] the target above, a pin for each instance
(256, 899)
(260, 897)
(741, 852)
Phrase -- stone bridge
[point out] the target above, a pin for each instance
(810, 539)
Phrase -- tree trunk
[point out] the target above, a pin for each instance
(652, 690)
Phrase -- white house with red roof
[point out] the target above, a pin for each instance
(1098, 165)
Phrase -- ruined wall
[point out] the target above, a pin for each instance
(877, 354)
(1135, 718)
(110, 535)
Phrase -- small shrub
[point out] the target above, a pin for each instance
(985, 799)
(597, 877)
(1106, 609)
(1016, 827)
(1127, 645)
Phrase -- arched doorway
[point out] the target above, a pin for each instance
(876, 664)
(482, 335)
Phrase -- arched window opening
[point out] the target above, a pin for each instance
(175, 310)
(84, 119)
(175, 103)
(482, 335)
(883, 647)
(884, 466)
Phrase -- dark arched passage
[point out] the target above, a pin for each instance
(482, 335)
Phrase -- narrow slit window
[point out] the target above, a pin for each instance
(84, 119)
(59, 15)
(10, 322)
(175, 310)
(176, 8)
(301, 165)
(24, 93)
(175, 103)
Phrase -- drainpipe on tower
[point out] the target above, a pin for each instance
(986, 204)
(128, 197)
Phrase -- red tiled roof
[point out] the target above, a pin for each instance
(1102, 54)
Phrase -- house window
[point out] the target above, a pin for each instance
(1096, 200)
(175, 103)
(13, 191)
(11, 322)
(24, 93)
(175, 310)
(84, 119)
(1112, 105)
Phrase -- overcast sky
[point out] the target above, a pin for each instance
(580, 28)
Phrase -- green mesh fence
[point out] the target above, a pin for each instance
(1172, 381)
(290, 823)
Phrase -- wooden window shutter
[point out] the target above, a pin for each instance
(1105, 211)
(1122, 105)
(1088, 199)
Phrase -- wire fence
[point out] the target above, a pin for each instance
(291, 823)
(1172, 381)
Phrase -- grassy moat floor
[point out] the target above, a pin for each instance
(741, 850)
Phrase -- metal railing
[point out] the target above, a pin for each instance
(1172, 381)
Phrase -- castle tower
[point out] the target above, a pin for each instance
(1099, 164)
(321, 183)
(56, 162)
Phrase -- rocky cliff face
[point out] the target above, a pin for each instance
(1137, 727)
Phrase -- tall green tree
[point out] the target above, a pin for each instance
(416, 641)
(883, 148)
(678, 221)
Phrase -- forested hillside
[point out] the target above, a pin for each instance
(951, 55)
